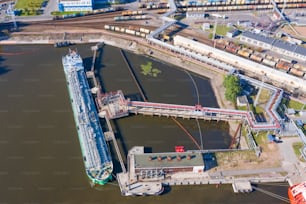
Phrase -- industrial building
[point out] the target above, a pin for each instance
(157, 166)
(276, 45)
(75, 5)
(81, 5)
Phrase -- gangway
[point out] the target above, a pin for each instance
(112, 137)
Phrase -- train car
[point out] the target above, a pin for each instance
(272, 58)
(256, 57)
(122, 30)
(220, 46)
(131, 32)
(126, 13)
(244, 53)
(232, 48)
(117, 28)
(106, 27)
(296, 72)
(269, 62)
(300, 67)
(283, 65)
(162, 11)
(144, 30)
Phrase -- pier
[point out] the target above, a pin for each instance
(111, 101)
(129, 66)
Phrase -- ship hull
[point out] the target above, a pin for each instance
(297, 193)
(96, 156)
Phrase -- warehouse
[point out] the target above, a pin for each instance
(275, 45)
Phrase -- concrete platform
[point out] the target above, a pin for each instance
(242, 187)
(138, 188)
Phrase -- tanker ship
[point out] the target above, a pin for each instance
(96, 155)
(297, 193)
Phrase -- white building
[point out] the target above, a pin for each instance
(75, 5)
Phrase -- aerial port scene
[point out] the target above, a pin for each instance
(153, 101)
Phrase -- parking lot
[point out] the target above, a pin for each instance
(4, 6)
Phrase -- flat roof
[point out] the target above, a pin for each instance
(160, 160)
(276, 42)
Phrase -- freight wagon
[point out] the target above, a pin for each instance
(296, 72)
(269, 62)
(256, 57)
(129, 18)
(283, 65)
(86, 13)
(244, 53)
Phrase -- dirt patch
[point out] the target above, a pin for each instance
(247, 160)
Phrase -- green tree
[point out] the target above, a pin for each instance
(232, 87)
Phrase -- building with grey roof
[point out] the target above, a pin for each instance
(156, 166)
(275, 45)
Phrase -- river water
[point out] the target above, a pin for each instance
(40, 156)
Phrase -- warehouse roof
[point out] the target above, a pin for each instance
(166, 160)
(258, 37)
(276, 43)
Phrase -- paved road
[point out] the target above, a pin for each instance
(290, 162)
(51, 6)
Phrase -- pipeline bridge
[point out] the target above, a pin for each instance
(114, 105)
(199, 112)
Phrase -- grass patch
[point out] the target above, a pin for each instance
(235, 158)
(293, 104)
(261, 138)
(296, 147)
(259, 110)
(243, 108)
(58, 13)
(220, 30)
(147, 69)
(29, 7)
(264, 96)
(296, 105)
